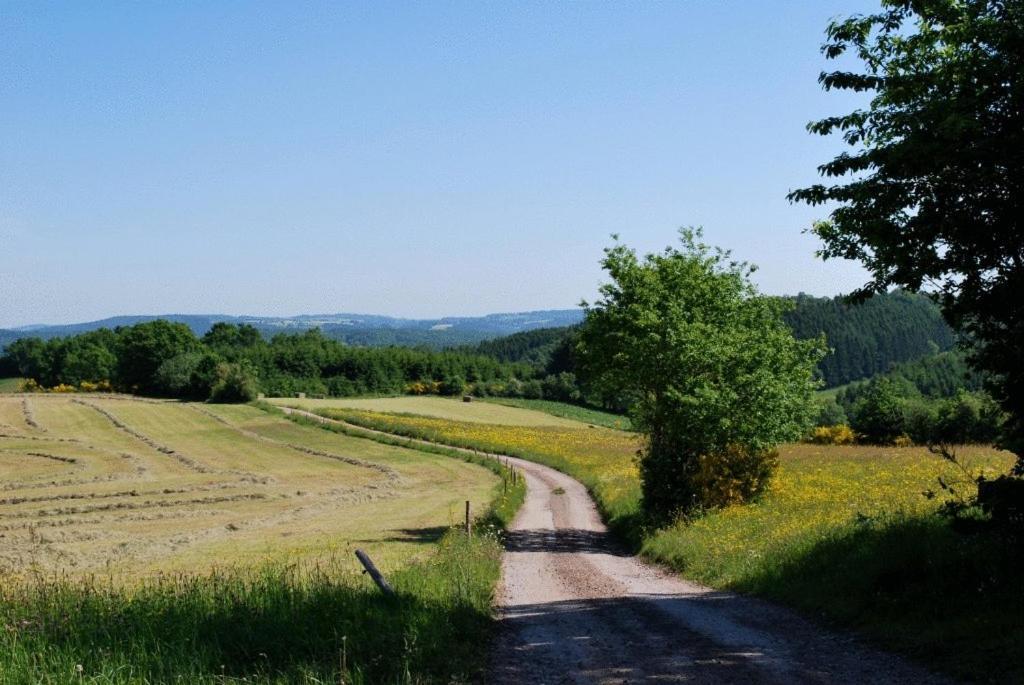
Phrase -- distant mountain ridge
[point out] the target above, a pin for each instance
(356, 329)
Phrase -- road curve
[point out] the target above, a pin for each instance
(574, 608)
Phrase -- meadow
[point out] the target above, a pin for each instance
(150, 541)
(844, 533)
(575, 412)
(440, 408)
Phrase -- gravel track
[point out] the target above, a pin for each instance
(573, 607)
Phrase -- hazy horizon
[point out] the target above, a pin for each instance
(426, 161)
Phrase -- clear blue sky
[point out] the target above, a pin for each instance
(413, 159)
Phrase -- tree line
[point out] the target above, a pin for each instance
(234, 362)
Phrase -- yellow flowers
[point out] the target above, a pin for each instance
(833, 435)
(816, 491)
(31, 385)
(603, 459)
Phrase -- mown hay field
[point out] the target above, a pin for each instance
(845, 533)
(437, 407)
(131, 486)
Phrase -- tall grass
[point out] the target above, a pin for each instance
(302, 623)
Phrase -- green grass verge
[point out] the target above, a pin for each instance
(272, 624)
(844, 535)
(563, 410)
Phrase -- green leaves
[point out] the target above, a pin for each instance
(714, 376)
(931, 193)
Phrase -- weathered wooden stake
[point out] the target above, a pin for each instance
(374, 573)
(469, 524)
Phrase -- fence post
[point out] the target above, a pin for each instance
(378, 578)
(469, 524)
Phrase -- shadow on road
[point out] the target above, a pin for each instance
(564, 540)
(624, 640)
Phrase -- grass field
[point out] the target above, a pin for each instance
(437, 407)
(147, 541)
(844, 533)
(136, 486)
(575, 412)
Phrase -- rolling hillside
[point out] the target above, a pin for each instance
(355, 329)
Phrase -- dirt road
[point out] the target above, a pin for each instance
(574, 608)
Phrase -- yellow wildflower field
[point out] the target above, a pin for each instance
(817, 490)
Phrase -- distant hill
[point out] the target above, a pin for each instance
(865, 339)
(868, 339)
(356, 329)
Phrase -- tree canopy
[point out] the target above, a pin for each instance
(931, 193)
(714, 377)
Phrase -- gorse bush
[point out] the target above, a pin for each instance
(278, 623)
(833, 435)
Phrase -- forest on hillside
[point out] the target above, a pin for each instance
(897, 333)
(863, 339)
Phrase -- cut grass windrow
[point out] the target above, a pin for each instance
(304, 620)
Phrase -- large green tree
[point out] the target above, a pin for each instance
(142, 348)
(930, 195)
(714, 377)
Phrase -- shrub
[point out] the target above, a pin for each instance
(561, 387)
(878, 415)
(30, 385)
(532, 390)
(830, 413)
(452, 385)
(735, 474)
(833, 435)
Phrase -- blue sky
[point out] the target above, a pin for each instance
(412, 159)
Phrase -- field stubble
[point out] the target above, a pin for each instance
(129, 486)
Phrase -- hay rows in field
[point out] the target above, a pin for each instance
(30, 419)
(148, 504)
(117, 493)
(38, 438)
(145, 485)
(142, 437)
(353, 461)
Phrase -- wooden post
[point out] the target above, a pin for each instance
(469, 524)
(374, 573)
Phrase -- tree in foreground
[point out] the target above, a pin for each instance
(714, 378)
(932, 193)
